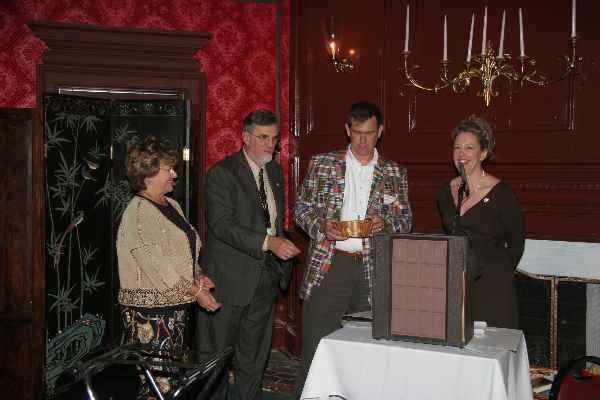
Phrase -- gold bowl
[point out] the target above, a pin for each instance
(356, 228)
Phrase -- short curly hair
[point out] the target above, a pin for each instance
(144, 157)
(482, 130)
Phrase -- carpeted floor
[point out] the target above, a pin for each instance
(276, 396)
(280, 376)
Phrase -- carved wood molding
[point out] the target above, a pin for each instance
(94, 46)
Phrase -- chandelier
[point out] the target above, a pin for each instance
(489, 65)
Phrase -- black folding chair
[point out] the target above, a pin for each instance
(98, 376)
(115, 374)
(207, 382)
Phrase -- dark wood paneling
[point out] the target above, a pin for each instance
(548, 148)
(22, 348)
(15, 223)
(559, 201)
(15, 380)
(287, 329)
(323, 94)
(293, 334)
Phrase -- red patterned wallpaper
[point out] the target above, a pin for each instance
(239, 61)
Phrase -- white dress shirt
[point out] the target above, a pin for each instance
(357, 189)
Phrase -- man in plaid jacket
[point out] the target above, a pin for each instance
(348, 184)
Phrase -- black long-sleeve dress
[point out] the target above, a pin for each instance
(497, 236)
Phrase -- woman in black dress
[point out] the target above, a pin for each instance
(489, 214)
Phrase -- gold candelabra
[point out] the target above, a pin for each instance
(487, 67)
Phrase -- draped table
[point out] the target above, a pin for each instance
(350, 364)
(556, 262)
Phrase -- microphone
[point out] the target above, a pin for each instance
(463, 176)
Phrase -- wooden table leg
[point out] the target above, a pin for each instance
(554, 322)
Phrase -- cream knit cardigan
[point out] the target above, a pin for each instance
(154, 257)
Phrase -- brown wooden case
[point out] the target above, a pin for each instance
(421, 289)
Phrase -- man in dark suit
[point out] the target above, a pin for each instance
(246, 254)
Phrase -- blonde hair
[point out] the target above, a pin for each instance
(482, 129)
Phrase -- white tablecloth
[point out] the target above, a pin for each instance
(351, 364)
(565, 259)
(572, 260)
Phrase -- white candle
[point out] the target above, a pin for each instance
(407, 27)
(332, 47)
(521, 35)
(573, 16)
(331, 26)
(484, 30)
(470, 38)
(445, 38)
(501, 46)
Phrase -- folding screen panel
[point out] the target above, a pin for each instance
(86, 192)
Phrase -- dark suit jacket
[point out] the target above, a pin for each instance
(233, 255)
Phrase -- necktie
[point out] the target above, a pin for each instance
(263, 197)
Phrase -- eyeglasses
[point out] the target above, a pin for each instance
(170, 170)
(266, 139)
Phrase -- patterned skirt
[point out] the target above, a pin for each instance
(162, 331)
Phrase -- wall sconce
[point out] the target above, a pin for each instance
(488, 66)
(341, 64)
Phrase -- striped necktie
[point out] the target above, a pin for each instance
(263, 197)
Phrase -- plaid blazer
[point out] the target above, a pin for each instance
(321, 197)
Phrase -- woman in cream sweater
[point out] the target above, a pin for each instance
(157, 253)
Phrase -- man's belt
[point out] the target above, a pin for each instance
(357, 255)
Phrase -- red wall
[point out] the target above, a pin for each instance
(239, 61)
